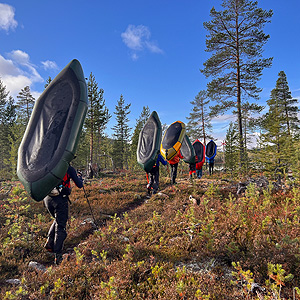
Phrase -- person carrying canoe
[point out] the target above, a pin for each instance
(57, 203)
(153, 175)
(211, 163)
(192, 170)
(199, 166)
(174, 165)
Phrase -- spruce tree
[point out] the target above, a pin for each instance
(289, 105)
(236, 40)
(7, 120)
(279, 127)
(121, 134)
(231, 148)
(199, 122)
(274, 153)
(3, 99)
(96, 119)
(11, 138)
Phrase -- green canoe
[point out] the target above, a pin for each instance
(53, 132)
(149, 142)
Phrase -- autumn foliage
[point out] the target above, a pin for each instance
(193, 240)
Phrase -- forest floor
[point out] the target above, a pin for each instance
(202, 239)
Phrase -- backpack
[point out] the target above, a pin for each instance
(64, 188)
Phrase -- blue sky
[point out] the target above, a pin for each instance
(148, 51)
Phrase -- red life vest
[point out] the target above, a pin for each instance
(66, 181)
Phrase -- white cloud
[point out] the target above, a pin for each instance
(49, 65)
(221, 123)
(134, 56)
(19, 57)
(137, 39)
(17, 71)
(22, 59)
(153, 47)
(7, 17)
(134, 35)
(14, 84)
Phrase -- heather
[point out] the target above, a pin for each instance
(194, 240)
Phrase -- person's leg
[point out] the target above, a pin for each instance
(49, 245)
(150, 184)
(156, 180)
(193, 171)
(61, 217)
(174, 173)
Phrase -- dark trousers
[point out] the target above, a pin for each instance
(153, 179)
(58, 207)
(192, 171)
(211, 168)
(173, 172)
(199, 173)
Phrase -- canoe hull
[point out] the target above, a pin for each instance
(149, 142)
(187, 151)
(172, 140)
(53, 131)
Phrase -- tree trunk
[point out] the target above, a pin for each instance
(203, 126)
(238, 87)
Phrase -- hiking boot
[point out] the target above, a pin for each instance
(58, 258)
(49, 246)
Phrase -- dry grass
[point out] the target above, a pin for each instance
(171, 246)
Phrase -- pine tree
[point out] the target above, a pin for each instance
(25, 105)
(199, 124)
(236, 39)
(97, 118)
(121, 134)
(140, 122)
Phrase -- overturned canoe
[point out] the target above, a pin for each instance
(187, 151)
(149, 142)
(172, 140)
(211, 150)
(53, 132)
(200, 153)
